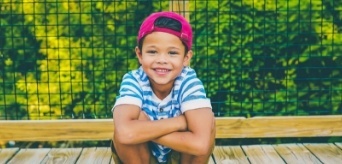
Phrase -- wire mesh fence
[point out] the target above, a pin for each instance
(66, 58)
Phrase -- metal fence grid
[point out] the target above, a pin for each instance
(66, 58)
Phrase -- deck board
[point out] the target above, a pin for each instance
(211, 161)
(277, 153)
(29, 156)
(6, 154)
(327, 153)
(262, 154)
(339, 145)
(296, 153)
(62, 155)
(99, 155)
(229, 154)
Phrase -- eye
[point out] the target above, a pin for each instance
(151, 51)
(173, 53)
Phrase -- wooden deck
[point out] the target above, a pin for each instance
(226, 128)
(327, 153)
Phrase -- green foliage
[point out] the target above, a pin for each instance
(65, 59)
(269, 57)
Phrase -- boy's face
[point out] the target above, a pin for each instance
(162, 58)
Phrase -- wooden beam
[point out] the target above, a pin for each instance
(226, 127)
(56, 130)
(280, 126)
(180, 7)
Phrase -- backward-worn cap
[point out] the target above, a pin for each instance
(148, 27)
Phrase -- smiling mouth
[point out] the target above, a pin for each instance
(161, 71)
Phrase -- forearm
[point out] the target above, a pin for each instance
(188, 142)
(199, 138)
(139, 131)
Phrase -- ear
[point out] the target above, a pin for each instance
(138, 54)
(187, 58)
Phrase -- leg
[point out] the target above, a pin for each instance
(135, 154)
(187, 158)
(174, 157)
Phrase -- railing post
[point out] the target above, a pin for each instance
(181, 7)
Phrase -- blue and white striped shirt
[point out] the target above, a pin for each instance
(187, 93)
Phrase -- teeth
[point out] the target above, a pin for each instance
(161, 70)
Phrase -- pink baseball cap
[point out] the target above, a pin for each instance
(148, 27)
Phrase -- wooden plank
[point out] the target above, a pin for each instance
(262, 154)
(327, 153)
(280, 126)
(229, 155)
(85, 129)
(29, 156)
(6, 154)
(229, 127)
(226, 127)
(296, 153)
(62, 155)
(56, 130)
(181, 7)
(112, 161)
(339, 145)
(211, 161)
(98, 155)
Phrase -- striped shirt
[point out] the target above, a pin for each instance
(187, 93)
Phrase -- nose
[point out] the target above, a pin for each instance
(162, 59)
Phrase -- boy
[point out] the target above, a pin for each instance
(162, 114)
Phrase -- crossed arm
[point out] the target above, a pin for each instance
(191, 133)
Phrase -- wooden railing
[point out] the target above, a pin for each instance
(180, 7)
(226, 127)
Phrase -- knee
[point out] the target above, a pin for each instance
(138, 153)
(201, 159)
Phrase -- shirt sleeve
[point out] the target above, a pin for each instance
(193, 94)
(130, 92)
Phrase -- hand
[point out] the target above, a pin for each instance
(143, 116)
